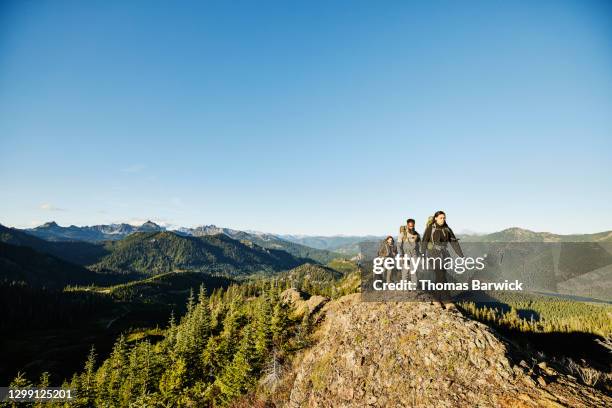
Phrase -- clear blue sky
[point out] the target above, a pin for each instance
(307, 117)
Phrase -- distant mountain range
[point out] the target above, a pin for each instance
(318, 248)
(51, 231)
(77, 252)
(349, 245)
(54, 256)
(134, 251)
(88, 245)
(346, 245)
(524, 235)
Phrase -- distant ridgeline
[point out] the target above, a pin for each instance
(349, 245)
(123, 249)
(51, 231)
(134, 251)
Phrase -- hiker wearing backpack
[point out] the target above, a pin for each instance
(409, 242)
(438, 235)
(388, 250)
(435, 242)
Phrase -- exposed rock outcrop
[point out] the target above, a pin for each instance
(401, 354)
(301, 306)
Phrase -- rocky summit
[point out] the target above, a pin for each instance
(405, 354)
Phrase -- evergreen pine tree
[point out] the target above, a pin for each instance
(280, 324)
(88, 383)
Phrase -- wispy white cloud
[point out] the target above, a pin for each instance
(50, 207)
(134, 168)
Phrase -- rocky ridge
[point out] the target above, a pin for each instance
(405, 354)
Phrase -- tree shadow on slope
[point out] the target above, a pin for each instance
(560, 349)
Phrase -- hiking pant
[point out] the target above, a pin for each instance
(440, 275)
(410, 250)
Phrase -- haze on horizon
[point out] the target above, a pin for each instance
(313, 118)
(174, 227)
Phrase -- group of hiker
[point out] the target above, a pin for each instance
(435, 239)
(434, 243)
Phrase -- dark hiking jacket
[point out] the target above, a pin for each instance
(440, 237)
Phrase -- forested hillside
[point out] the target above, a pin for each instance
(216, 352)
(78, 252)
(169, 288)
(159, 252)
(248, 346)
(24, 264)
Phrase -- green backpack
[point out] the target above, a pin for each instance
(430, 221)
